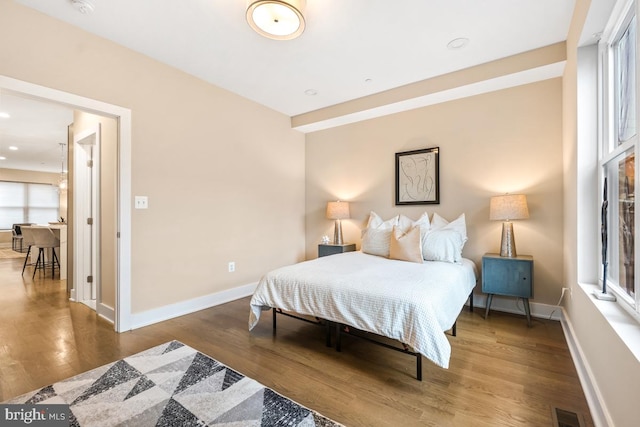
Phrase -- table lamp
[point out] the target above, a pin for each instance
(338, 211)
(506, 208)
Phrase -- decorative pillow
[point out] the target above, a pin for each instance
(406, 245)
(443, 245)
(375, 221)
(376, 237)
(459, 224)
(406, 223)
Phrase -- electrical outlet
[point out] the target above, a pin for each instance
(141, 202)
(232, 267)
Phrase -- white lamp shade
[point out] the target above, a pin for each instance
(338, 210)
(277, 19)
(508, 207)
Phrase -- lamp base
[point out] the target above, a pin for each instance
(508, 243)
(337, 233)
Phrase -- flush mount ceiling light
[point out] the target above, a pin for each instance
(276, 19)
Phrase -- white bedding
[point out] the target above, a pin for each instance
(410, 302)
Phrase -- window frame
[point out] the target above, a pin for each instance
(609, 149)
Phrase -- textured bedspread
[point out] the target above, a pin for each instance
(412, 303)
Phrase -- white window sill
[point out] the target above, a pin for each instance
(625, 325)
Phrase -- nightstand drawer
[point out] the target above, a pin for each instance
(324, 250)
(507, 276)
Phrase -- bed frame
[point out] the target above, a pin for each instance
(349, 330)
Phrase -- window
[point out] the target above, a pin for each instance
(22, 202)
(619, 143)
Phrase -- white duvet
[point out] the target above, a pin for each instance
(412, 303)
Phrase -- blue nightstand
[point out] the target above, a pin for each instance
(508, 276)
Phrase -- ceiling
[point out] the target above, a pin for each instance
(349, 49)
(36, 129)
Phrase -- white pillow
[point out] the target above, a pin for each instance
(443, 245)
(406, 245)
(405, 223)
(459, 224)
(377, 235)
(375, 221)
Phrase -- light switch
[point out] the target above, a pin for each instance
(141, 202)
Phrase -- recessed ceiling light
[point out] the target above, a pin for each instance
(4, 115)
(13, 148)
(458, 43)
(311, 92)
(368, 80)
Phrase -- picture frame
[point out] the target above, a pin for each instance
(418, 177)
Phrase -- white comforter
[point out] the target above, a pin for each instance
(412, 303)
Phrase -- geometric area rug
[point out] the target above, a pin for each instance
(171, 385)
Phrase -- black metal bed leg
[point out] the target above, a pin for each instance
(471, 302)
(274, 321)
(419, 367)
(328, 332)
(453, 330)
(338, 340)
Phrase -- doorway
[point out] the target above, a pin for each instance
(121, 315)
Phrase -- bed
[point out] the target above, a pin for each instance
(413, 303)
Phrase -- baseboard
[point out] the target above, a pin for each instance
(515, 306)
(106, 312)
(591, 391)
(138, 320)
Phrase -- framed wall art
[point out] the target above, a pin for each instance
(417, 177)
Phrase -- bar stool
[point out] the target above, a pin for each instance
(17, 237)
(27, 240)
(45, 239)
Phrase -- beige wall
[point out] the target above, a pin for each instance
(29, 176)
(224, 175)
(505, 141)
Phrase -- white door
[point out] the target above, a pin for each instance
(85, 220)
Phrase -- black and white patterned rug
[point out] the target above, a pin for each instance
(171, 385)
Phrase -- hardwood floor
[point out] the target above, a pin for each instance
(502, 373)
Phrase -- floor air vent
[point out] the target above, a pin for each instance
(563, 418)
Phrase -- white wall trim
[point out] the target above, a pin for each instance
(145, 318)
(599, 413)
(106, 312)
(515, 306)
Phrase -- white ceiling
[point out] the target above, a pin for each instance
(350, 48)
(36, 128)
(346, 42)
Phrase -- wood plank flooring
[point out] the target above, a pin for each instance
(501, 373)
